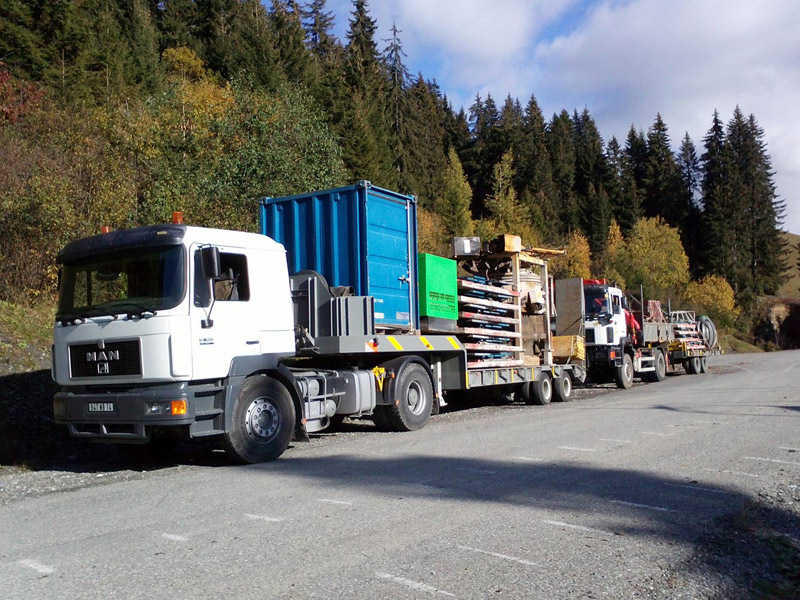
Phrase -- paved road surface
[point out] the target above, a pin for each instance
(591, 499)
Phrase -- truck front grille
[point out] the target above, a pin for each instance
(114, 359)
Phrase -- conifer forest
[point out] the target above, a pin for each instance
(118, 112)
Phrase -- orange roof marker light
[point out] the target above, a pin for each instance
(177, 218)
(105, 229)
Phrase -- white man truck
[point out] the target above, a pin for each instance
(236, 335)
(626, 336)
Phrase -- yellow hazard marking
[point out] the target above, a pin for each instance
(425, 342)
(394, 342)
(453, 342)
(380, 375)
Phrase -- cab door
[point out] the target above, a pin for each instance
(221, 314)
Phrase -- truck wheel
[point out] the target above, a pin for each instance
(413, 399)
(623, 375)
(562, 387)
(693, 366)
(540, 391)
(703, 364)
(660, 364)
(263, 422)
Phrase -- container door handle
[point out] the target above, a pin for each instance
(404, 278)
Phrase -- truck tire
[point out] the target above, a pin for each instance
(540, 391)
(413, 400)
(693, 366)
(562, 387)
(263, 421)
(703, 364)
(623, 375)
(660, 364)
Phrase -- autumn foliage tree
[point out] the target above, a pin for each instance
(713, 296)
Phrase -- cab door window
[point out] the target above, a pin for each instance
(233, 284)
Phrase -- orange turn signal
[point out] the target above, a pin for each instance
(178, 407)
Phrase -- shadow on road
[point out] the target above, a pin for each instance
(751, 548)
(29, 436)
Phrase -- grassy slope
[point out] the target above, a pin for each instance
(26, 333)
(791, 288)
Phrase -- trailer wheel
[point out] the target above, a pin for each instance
(623, 375)
(539, 391)
(413, 399)
(703, 364)
(693, 366)
(660, 364)
(562, 387)
(263, 422)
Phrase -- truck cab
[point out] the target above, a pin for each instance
(604, 320)
(143, 338)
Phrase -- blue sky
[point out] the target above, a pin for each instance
(625, 60)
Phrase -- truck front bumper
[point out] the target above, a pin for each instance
(123, 415)
(603, 357)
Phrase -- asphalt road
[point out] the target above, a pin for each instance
(596, 498)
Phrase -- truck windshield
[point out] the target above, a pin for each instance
(596, 302)
(138, 282)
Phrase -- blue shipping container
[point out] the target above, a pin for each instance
(360, 236)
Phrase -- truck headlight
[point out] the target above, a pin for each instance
(165, 407)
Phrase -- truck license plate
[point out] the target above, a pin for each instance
(101, 407)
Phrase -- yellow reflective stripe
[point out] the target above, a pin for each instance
(425, 342)
(394, 342)
(453, 342)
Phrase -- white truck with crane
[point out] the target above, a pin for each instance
(257, 339)
(626, 335)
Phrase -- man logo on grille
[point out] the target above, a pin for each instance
(102, 368)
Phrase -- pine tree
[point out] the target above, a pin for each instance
(692, 232)
(454, 202)
(424, 141)
(559, 141)
(720, 253)
(365, 79)
(591, 175)
(20, 40)
(484, 150)
(319, 24)
(237, 40)
(636, 153)
(761, 210)
(662, 180)
(398, 109)
(293, 57)
(622, 193)
(534, 175)
(178, 24)
(507, 214)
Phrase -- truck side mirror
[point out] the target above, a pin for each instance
(209, 259)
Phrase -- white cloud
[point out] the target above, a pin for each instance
(684, 59)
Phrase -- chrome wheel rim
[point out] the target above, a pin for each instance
(262, 419)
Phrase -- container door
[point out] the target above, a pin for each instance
(390, 269)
